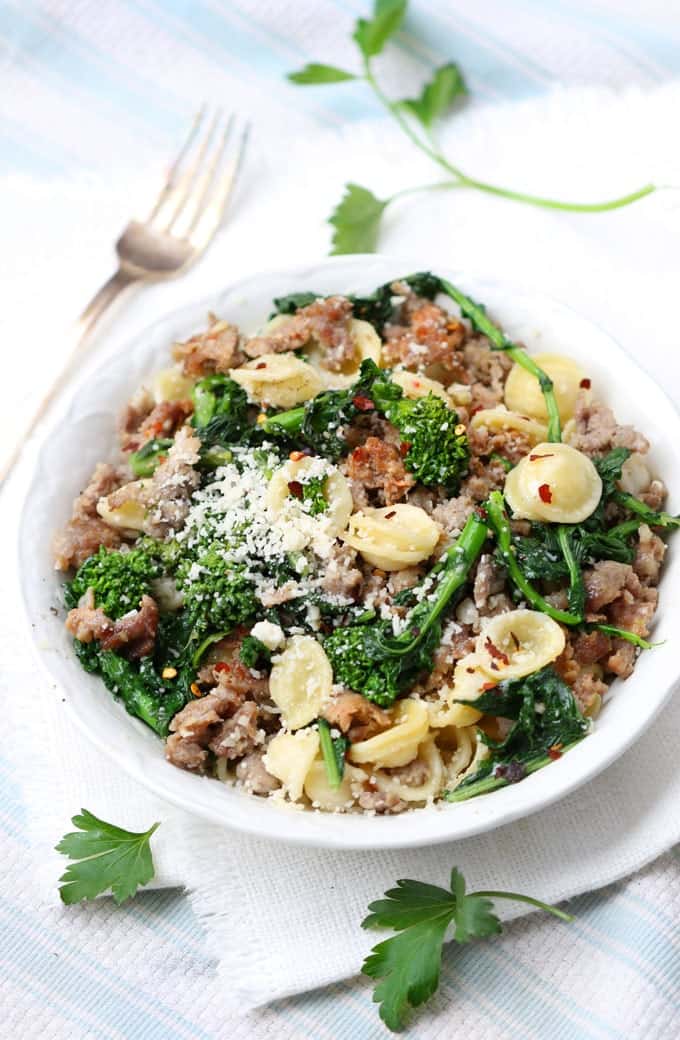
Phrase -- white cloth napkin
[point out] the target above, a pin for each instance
(279, 919)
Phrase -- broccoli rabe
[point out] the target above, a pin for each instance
(218, 595)
(220, 411)
(254, 654)
(118, 579)
(314, 495)
(437, 447)
(438, 451)
(144, 462)
(546, 722)
(369, 659)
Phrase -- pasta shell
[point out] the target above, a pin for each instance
(125, 508)
(468, 681)
(415, 385)
(320, 792)
(429, 755)
(393, 537)
(283, 505)
(282, 380)
(467, 757)
(170, 384)
(289, 758)
(499, 418)
(366, 345)
(518, 643)
(399, 744)
(554, 483)
(301, 681)
(523, 393)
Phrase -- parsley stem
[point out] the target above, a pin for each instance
(569, 207)
(517, 897)
(430, 149)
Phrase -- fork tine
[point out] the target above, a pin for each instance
(212, 214)
(186, 181)
(193, 213)
(171, 176)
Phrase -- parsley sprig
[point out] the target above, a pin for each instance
(107, 856)
(357, 217)
(408, 965)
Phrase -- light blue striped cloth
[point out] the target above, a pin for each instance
(139, 67)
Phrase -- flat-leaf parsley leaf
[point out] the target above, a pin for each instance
(408, 965)
(108, 858)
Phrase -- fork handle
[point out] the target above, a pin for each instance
(88, 319)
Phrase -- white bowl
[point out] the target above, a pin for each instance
(71, 451)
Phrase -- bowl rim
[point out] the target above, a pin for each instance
(435, 824)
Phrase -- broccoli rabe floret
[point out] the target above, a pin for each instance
(217, 594)
(118, 579)
(437, 443)
(220, 410)
(369, 659)
(438, 451)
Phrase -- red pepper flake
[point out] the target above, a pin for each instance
(195, 689)
(481, 513)
(363, 403)
(545, 493)
(262, 364)
(489, 686)
(515, 640)
(494, 652)
(585, 384)
(295, 488)
(295, 456)
(554, 752)
(477, 408)
(388, 516)
(549, 455)
(404, 449)
(222, 666)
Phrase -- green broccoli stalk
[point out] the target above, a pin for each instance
(220, 411)
(118, 579)
(476, 314)
(144, 462)
(644, 514)
(437, 451)
(321, 423)
(500, 525)
(366, 658)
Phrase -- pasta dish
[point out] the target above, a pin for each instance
(372, 557)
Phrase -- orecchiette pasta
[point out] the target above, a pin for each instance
(320, 792)
(518, 643)
(282, 380)
(289, 758)
(125, 508)
(499, 418)
(281, 503)
(635, 475)
(468, 680)
(399, 744)
(429, 755)
(393, 537)
(555, 483)
(415, 385)
(523, 393)
(301, 680)
(468, 754)
(170, 384)
(366, 343)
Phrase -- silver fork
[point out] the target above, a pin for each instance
(183, 221)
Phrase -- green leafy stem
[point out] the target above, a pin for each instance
(357, 217)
